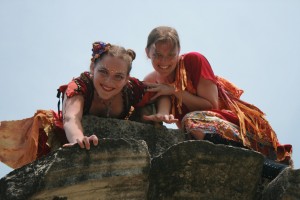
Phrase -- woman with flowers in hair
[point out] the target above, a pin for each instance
(207, 106)
(106, 90)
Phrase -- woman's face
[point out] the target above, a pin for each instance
(110, 76)
(164, 57)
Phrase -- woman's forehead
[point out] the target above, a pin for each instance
(113, 60)
(113, 63)
(165, 46)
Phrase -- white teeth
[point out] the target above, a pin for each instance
(163, 67)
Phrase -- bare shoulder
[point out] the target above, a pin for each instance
(151, 77)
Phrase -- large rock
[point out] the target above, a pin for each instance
(141, 161)
(158, 138)
(116, 169)
(286, 186)
(202, 170)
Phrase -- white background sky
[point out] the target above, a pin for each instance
(255, 44)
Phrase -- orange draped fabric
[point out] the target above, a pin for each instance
(19, 139)
(249, 118)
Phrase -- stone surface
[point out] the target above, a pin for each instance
(202, 170)
(286, 186)
(142, 161)
(116, 169)
(158, 138)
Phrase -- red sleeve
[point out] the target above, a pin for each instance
(77, 86)
(198, 66)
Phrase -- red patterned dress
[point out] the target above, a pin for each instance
(23, 141)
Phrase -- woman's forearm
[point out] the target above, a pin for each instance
(164, 105)
(73, 129)
(193, 102)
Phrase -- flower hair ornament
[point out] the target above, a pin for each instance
(98, 49)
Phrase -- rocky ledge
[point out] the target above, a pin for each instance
(142, 161)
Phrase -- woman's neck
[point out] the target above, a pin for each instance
(165, 79)
(105, 101)
(107, 107)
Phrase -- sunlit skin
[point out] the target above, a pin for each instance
(159, 80)
(164, 57)
(110, 75)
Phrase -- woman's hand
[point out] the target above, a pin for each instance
(84, 142)
(169, 119)
(160, 89)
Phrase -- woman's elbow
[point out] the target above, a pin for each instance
(212, 105)
(70, 119)
(215, 105)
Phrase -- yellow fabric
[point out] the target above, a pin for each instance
(19, 138)
(251, 118)
(181, 83)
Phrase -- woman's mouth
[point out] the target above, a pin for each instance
(163, 66)
(106, 88)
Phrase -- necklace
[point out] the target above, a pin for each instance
(107, 103)
(107, 107)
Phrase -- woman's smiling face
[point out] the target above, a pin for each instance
(164, 57)
(110, 76)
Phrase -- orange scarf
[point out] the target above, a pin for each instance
(252, 119)
(181, 83)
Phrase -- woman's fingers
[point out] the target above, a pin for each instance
(153, 89)
(172, 119)
(94, 139)
(86, 142)
(169, 119)
(80, 143)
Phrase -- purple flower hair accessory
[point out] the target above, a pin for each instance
(98, 49)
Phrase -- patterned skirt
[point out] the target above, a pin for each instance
(213, 124)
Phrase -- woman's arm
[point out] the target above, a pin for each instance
(206, 94)
(206, 90)
(163, 111)
(72, 115)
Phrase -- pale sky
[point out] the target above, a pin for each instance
(254, 44)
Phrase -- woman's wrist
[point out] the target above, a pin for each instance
(173, 90)
(178, 94)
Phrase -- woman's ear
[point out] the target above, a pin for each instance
(147, 52)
